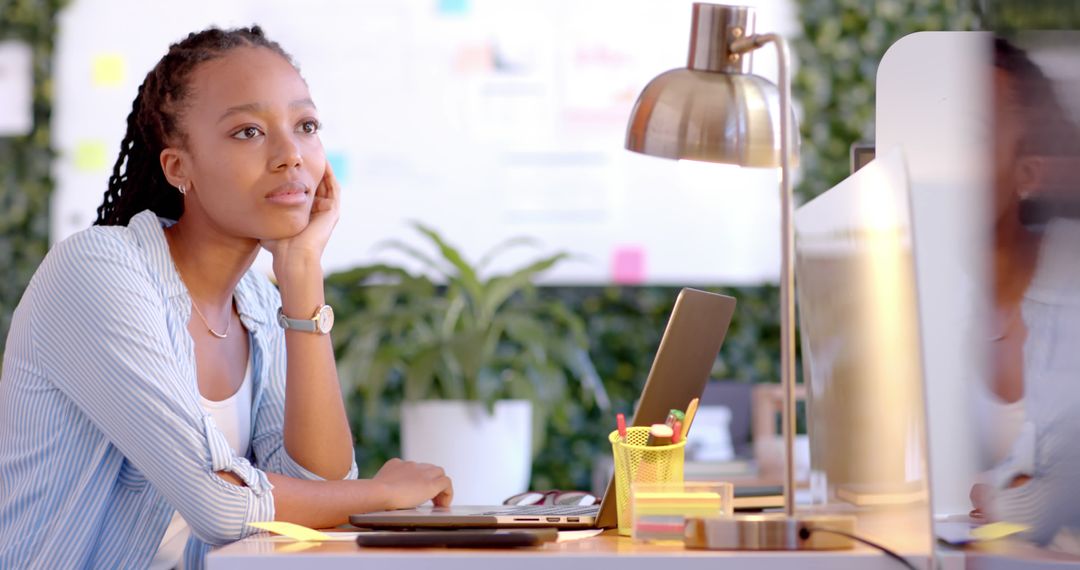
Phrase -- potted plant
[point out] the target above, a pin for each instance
(480, 360)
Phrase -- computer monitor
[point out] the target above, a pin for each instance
(858, 312)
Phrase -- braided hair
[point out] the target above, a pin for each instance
(138, 182)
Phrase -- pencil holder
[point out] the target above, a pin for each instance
(638, 462)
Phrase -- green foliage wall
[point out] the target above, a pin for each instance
(25, 161)
(838, 54)
(624, 325)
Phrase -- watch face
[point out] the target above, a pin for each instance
(326, 319)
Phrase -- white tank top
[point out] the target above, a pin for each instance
(233, 417)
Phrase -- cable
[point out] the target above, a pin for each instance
(805, 532)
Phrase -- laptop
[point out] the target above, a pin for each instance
(680, 369)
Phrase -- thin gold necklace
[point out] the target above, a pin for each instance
(208, 327)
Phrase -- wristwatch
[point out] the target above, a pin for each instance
(319, 323)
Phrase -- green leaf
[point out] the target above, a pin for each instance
(451, 376)
(378, 376)
(410, 251)
(494, 252)
(466, 275)
(420, 373)
(500, 288)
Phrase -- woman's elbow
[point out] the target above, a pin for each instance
(224, 517)
(221, 527)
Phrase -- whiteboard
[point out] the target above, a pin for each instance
(485, 119)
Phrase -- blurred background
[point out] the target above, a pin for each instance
(486, 121)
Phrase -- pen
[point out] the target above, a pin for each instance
(690, 411)
(620, 421)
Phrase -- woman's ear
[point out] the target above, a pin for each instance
(1030, 175)
(175, 165)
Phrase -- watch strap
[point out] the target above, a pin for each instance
(304, 325)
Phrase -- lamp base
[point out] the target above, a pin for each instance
(770, 532)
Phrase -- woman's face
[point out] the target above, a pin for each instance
(252, 157)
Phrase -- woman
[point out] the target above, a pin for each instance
(1037, 302)
(153, 386)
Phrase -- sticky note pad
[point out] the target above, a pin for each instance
(91, 156)
(293, 547)
(293, 531)
(998, 530)
(108, 70)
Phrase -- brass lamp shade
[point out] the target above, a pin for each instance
(714, 109)
(733, 118)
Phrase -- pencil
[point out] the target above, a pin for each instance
(691, 410)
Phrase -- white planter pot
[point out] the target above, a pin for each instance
(489, 457)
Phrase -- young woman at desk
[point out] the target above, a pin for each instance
(155, 388)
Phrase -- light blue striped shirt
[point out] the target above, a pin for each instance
(101, 433)
(1049, 450)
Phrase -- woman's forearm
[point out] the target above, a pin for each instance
(316, 431)
(325, 504)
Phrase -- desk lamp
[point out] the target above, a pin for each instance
(715, 110)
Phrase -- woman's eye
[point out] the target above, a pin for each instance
(246, 133)
(310, 127)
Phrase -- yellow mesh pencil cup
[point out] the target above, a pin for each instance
(638, 462)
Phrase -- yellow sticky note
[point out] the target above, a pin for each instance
(294, 547)
(108, 69)
(293, 531)
(91, 156)
(995, 531)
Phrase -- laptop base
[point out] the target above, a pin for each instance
(479, 517)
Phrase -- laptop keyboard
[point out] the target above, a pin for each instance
(544, 510)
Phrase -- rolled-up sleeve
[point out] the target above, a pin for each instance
(104, 337)
(1048, 502)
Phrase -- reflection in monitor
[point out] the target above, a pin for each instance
(860, 347)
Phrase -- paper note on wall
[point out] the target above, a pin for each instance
(16, 88)
(453, 7)
(628, 265)
(340, 165)
(108, 70)
(91, 156)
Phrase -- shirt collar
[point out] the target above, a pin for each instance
(148, 230)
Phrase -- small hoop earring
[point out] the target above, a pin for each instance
(182, 189)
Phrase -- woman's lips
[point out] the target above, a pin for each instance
(288, 194)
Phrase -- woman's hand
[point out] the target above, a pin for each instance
(410, 484)
(306, 248)
(981, 495)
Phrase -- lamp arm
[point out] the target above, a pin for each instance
(787, 248)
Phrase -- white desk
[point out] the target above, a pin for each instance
(605, 551)
(1004, 555)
